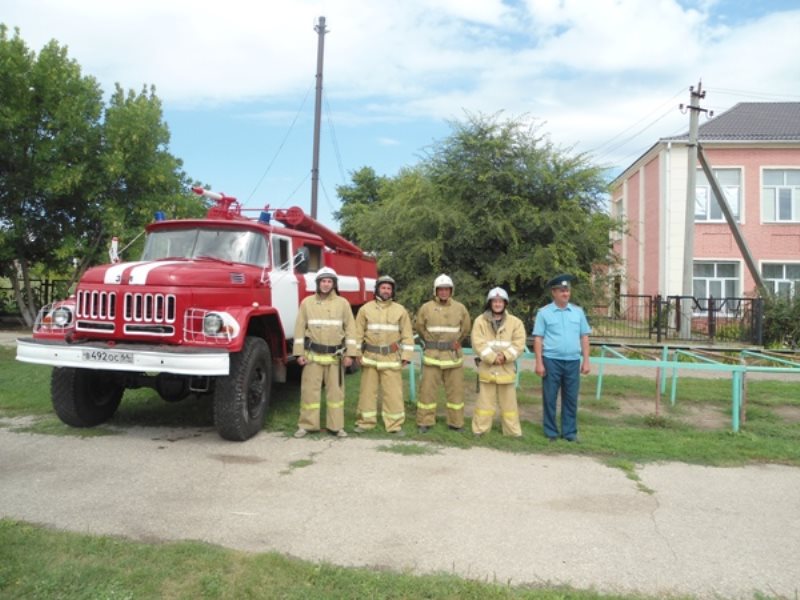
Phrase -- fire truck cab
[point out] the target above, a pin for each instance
(208, 309)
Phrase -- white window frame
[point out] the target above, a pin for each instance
(702, 300)
(704, 197)
(776, 286)
(792, 189)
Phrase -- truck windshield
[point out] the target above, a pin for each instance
(229, 245)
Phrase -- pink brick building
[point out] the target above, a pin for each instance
(754, 150)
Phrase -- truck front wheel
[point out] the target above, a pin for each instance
(83, 397)
(241, 399)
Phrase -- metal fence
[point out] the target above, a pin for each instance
(660, 318)
(44, 292)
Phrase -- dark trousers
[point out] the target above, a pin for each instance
(564, 375)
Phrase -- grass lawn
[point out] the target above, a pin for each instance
(620, 429)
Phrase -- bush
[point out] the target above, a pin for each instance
(782, 321)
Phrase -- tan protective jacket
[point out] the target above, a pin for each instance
(440, 323)
(327, 321)
(387, 326)
(487, 342)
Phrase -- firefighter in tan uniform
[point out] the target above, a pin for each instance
(385, 342)
(498, 340)
(442, 324)
(325, 344)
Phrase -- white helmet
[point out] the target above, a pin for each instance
(326, 272)
(497, 292)
(442, 281)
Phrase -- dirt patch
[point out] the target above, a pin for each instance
(790, 414)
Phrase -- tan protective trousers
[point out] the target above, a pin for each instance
(314, 377)
(433, 378)
(390, 382)
(489, 396)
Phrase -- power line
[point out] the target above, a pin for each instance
(752, 94)
(329, 115)
(280, 147)
(632, 125)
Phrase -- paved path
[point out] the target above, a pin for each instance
(478, 513)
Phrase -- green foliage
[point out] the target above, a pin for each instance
(74, 172)
(493, 204)
(782, 321)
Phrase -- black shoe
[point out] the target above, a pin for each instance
(423, 429)
(552, 440)
(574, 439)
(454, 428)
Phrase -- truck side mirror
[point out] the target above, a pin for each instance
(300, 260)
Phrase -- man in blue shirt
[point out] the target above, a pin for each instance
(561, 343)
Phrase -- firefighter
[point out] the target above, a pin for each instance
(385, 344)
(442, 324)
(498, 339)
(325, 344)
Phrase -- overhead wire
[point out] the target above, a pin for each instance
(636, 123)
(282, 144)
(334, 140)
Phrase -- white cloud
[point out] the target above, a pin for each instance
(587, 68)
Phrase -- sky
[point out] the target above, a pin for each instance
(237, 78)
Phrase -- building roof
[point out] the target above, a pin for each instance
(751, 121)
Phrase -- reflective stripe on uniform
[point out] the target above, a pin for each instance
(350, 342)
(383, 327)
(389, 415)
(369, 413)
(442, 329)
(430, 406)
(483, 412)
(407, 348)
(455, 406)
(513, 352)
(325, 322)
(381, 364)
(309, 406)
(336, 404)
(323, 359)
(492, 378)
(427, 360)
(512, 413)
(499, 344)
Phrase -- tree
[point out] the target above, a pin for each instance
(493, 204)
(357, 199)
(73, 172)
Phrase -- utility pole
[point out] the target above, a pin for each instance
(687, 290)
(321, 31)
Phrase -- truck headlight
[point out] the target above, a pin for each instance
(212, 324)
(62, 317)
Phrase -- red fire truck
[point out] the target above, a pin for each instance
(209, 309)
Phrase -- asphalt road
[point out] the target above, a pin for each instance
(478, 513)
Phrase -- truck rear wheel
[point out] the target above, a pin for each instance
(241, 399)
(83, 397)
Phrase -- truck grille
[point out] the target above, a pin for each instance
(95, 304)
(149, 308)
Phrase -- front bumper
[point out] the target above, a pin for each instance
(124, 357)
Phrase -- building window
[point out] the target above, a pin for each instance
(782, 279)
(780, 195)
(706, 207)
(718, 280)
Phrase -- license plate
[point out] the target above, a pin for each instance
(108, 356)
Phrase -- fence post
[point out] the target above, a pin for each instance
(758, 321)
(659, 320)
(712, 325)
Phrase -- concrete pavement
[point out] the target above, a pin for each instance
(477, 513)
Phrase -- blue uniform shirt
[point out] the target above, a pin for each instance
(561, 330)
